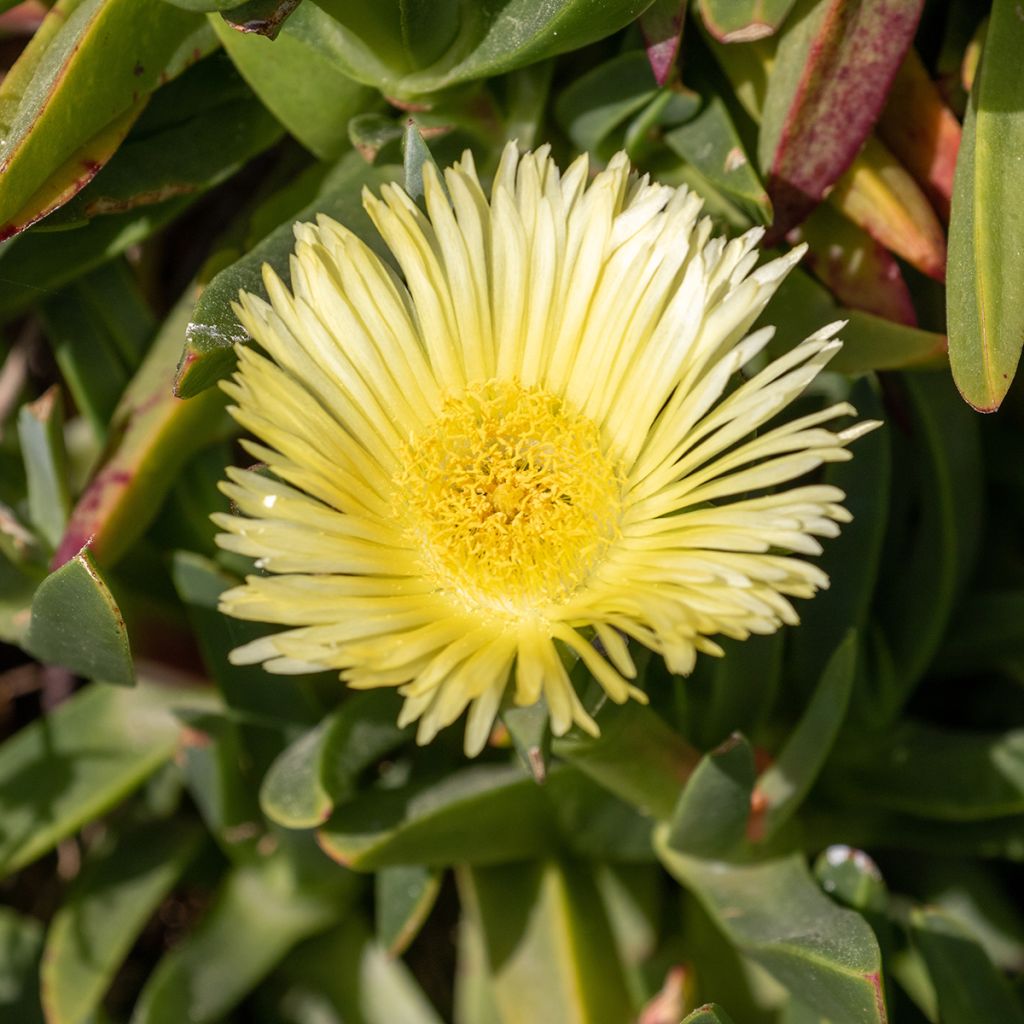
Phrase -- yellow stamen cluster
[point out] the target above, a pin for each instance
(510, 497)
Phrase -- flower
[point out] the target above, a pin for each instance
(524, 449)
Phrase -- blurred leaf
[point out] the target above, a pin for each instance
(76, 623)
(801, 306)
(206, 5)
(529, 729)
(547, 943)
(662, 28)
(922, 131)
(859, 271)
(21, 943)
(598, 102)
(879, 194)
(710, 818)
(711, 143)
(213, 329)
(415, 156)
(320, 768)
(832, 71)
(47, 124)
(851, 878)
(404, 895)
(969, 987)
(17, 585)
(985, 301)
(787, 781)
(194, 134)
(41, 433)
(262, 17)
(60, 772)
(775, 914)
(261, 911)
(112, 900)
(292, 75)
(984, 633)
(929, 772)
(638, 757)
(710, 1013)
(349, 975)
(742, 21)
(156, 433)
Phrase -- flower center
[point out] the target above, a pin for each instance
(510, 497)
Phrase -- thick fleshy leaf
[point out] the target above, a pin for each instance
(743, 21)
(709, 1013)
(194, 133)
(784, 784)
(21, 940)
(547, 943)
(156, 434)
(112, 900)
(213, 329)
(855, 268)
(41, 434)
(878, 193)
(47, 125)
(662, 28)
(710, 819)
(985, 300)
(260, 913)
(940, 773)
(76, 623)
(404, 895)
(260, 17)
(776, 915)
(320, 768)
(835, 63)
(638, 757)
(922, 131)
(851, 878)
(292, 75)
(969, 987)
(86, 757)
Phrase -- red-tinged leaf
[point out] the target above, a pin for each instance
(260, 17)
(922, 131)
(662, 27)
(743, 21)
(832, 74)
(858, 271)
(22, 19)
(878, 194)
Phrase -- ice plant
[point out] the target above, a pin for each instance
(529, 448)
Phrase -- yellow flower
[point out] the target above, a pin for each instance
(525, 450)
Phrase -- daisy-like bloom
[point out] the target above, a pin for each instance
(525, 449)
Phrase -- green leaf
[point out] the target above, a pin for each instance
(112, 900)
(60, 772)
(598, 102)
(547, 943)
(711, 143)
(830, 78)
(710, 819)
(47, 126)
(985, 301)
(213, 329)
(638, 757)
(21, 940)
(938, 773)
(404, 895)
(76, 623)
(710, 1013)
(742, 21)
(852, 878)
(292, 75)
(195, 133)
(968, 986)
(984, 633)
(320, 768)
(786, 783)
(262, 17)
(415, 156)
(156, 433)
(261, 911)
(41, 433)
(776, 915)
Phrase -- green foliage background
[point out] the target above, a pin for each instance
(824, 827)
